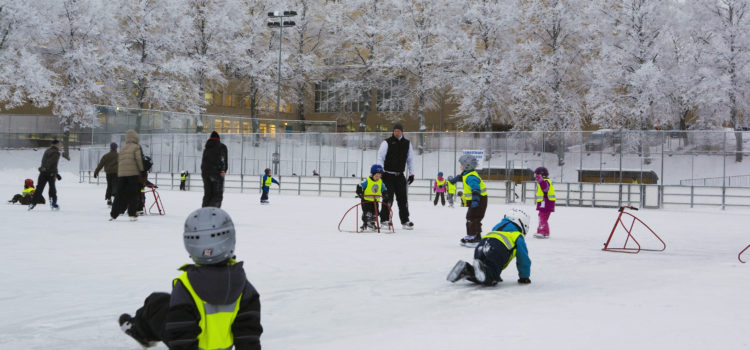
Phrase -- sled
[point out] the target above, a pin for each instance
(739, 256)
(629, 229)
(377, 216)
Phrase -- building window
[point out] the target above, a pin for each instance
(227, 100)
(360, 105)
(391, 97)
(326, 99)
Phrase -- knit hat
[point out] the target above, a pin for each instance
(214, 136)
(55, 142)
(398, 126)
(113, 146)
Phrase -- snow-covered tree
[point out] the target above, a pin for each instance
(728, 26)
(148, 72)
(84, 52)
(485, 64)
(23, 75)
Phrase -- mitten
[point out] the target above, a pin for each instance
(411, 179)
(58, 177)
(524, 280)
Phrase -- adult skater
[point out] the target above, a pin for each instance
(48, 174)
(395, 154)
(109, 163)
(495, 252)
(129, 169)
(214, 167)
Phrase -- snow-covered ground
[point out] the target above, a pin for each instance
(70, 274)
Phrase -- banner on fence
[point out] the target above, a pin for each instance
(476, 153)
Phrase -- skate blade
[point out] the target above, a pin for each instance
(469, 244)
(536, 235)
(455, 273)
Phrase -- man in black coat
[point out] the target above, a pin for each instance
(214, 166)
(48, 174)
(395, 154)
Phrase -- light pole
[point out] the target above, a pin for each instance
(277, 20)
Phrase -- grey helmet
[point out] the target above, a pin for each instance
(468, 162)
(209, 236)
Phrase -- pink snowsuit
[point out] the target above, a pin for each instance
(545, 208)
(439, 189)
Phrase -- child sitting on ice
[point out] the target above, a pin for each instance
(25, 196)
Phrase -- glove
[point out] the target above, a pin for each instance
(524, 280)
(475, 200)
(58, 177)
(411, 179)
(474, 204)
(95, 175)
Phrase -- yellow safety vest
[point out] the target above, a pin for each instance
(508, 239)
(183, 177)
(451, 188)
(467, 189)
(268, 182)
(374, 188)
(440, 183)
(216, 320)
(550, 192)
(27, 191)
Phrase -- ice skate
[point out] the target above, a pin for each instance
(109, 203)
(133, 218)
(32, 206)
(541, 236)
(126, 325)
(385, 223)
(470, 241)
(54, 206)
(112, 219)
(407, 225)
(265, 202)
(479, 270)
(460, 270)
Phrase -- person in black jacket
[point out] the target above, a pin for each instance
(213, 168)
(48, 174)
(109, 163)
(395, 154)
(212, 304)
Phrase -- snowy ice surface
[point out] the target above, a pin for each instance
(70, 274)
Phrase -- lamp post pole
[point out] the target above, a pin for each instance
(280, 15)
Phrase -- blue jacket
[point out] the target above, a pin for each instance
(263, 182)
(523, 262)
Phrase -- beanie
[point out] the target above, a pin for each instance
(55, 142)
(214, 135)
(398, 126)
(113, 146)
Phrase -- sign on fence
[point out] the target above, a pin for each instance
(476, 153)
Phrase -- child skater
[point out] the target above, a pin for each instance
(265, 184)
(495, 252)
(26, 194)
(545, 201)
(212, 304)
(371, 191)
(475, 196)
(439, 188)
(451, 189)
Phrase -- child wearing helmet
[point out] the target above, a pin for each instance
(475, 196)
(24, 198)
(371, 191)
(265, 185)
(439, 187)
(212, 304)
(545, 201)
(495, 252)
(451, 190)
(183, 178)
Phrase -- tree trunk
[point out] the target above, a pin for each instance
(66, 143)
(738, 155)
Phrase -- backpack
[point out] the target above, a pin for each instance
(147, 162)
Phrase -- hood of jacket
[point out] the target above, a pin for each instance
(131, 136)
(212, 143)
(217, 284)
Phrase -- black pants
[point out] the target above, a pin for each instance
(25, 200)
(111, 186)
(368, 210)
(45, 177)
(494, 254)
(182, 185)
(474, 217)
(440, 195)
(213, 190)
(395, 185)
(128, 196)
(149, 320)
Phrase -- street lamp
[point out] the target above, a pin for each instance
(277, 21)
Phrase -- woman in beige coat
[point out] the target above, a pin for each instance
(129, 168)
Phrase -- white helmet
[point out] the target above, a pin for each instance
(520, 219)
(209, 236)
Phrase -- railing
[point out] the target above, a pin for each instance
(508, 192)
(729, 181)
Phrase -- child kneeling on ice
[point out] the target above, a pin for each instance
(212, 304)
(495, 252)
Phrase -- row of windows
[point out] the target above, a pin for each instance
(329, 99)
(230, 100)
(224, 126)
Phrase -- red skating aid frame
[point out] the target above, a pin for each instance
(377, 221)
(157, 202)
(739, 256)
(629, 230)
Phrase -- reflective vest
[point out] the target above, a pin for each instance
(183, 177)
(508, 239)
(440, 184)
(27, 191)
(216, 320)
(374, 188)
(467, 189)
(550, 192)
(268, 181)
(451, 188)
